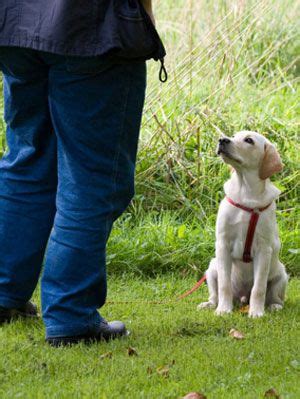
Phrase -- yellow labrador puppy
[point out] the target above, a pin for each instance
(246, 267)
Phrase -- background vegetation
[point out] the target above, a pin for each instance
(233, 65)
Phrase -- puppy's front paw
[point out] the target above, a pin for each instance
(221, 310)
(275, 307)
(206, 305)
(255, 313)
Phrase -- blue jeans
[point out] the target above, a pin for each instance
(72, 132)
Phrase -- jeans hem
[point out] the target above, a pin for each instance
(73, 330)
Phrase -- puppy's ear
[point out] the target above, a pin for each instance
(271, 162)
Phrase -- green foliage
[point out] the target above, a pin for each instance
(159, 242)
(165, 241)
(232, 66)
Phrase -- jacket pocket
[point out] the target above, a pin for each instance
(135, 38)
(129, 9)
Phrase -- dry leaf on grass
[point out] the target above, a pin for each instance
(244, 309)
(271, 393)
(132, 351)
(107, 355)
(194, 395)
(236, 334)
(163, 371)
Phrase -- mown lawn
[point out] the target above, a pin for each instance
(179, 350)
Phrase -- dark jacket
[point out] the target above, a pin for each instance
(79, 27)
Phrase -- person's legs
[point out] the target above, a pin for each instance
(28, 176)
(96, 116)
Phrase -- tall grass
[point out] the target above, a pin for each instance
(233, 65)
(239, 71)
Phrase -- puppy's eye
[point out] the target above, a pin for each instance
(249, 140)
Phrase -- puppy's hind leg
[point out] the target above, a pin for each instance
(276, 290)
(212, 283)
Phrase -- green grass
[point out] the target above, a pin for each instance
(158, 242)
(195, 347)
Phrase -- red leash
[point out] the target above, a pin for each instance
(184, 295)
(251, 228)
(196, 286)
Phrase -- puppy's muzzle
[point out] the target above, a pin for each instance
(223, 145)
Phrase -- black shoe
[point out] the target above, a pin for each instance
(29, 310)
(106, 331)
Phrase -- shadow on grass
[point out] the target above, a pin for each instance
(191, 329)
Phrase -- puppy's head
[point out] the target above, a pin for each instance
(248, 150)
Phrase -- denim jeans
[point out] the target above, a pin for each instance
(68, 172)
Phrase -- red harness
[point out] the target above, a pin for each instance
(248, 243)
(251, 228)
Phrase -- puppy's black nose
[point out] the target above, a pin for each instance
(224, 141)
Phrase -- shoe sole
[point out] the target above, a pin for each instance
(87, 340)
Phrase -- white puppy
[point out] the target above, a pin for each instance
(246, 267)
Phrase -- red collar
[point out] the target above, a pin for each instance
(245, 208)
(251, 228)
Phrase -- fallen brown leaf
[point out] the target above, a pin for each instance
(163, 371)
(194, 395)
(271, 393)
(244, 309)
(107, 355)
(132, 351)
(236, 334)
